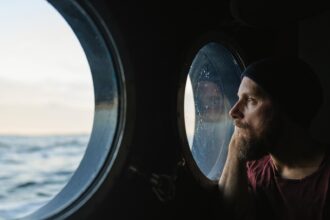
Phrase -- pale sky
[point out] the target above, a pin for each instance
(45, 80)
(189, 111)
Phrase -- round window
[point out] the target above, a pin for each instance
(210, 92)
(98, 161)
(47, 105)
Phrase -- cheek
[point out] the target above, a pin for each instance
(259, 120)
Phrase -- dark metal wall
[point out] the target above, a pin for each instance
(314, 47)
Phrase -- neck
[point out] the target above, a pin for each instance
(297, 154)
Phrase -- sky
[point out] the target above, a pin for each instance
(45, 81)
(189, 112)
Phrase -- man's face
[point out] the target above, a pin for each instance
(254, 117)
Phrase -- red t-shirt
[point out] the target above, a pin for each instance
(279, 198)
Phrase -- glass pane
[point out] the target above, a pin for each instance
(211, 88)
(46, 105)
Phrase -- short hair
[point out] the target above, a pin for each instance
(291, 83)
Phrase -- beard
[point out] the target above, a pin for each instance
(261, 144)
(255, 149)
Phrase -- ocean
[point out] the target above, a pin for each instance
(34, 169)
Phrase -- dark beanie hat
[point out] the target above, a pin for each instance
(291, 83)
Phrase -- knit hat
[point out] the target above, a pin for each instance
(291, 83)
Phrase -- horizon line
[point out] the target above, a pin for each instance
(44, 135)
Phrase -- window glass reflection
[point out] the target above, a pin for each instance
(214, 76)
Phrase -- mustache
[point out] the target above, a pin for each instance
(240, 124)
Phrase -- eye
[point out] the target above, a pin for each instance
(251, 100)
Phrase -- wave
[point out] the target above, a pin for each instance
(41, 167)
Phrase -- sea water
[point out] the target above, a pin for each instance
(34, 169)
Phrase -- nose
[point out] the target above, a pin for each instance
(235, 112)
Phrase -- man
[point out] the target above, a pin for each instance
(274, 169)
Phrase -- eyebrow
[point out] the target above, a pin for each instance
(256, 91)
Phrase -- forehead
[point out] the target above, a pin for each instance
(248, 86)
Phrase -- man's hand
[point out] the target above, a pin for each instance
(245, 146)
(240, 144)
(233, 183)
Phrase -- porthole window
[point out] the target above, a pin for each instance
(47, 105)
(211, 90)
(73, 146)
